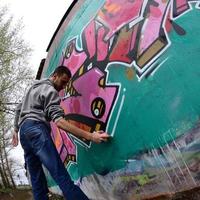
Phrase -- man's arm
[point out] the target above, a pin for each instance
(54, 112)
(96, 137)
(15, 139)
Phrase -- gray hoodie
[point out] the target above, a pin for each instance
(41, 103)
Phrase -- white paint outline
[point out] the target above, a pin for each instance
(117, 117)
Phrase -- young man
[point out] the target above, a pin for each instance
(41, 104)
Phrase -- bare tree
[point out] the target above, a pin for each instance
(15, 75)
(14, 55)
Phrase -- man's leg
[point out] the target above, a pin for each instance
(38, 180)
(50, 159)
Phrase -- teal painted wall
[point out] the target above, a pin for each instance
(148, 88)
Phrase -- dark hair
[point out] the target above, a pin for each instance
(60, 70)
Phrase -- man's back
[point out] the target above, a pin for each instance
(41, 103)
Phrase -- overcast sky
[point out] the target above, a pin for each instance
(40, 18)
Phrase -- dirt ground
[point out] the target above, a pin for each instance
(23, 195)
(193, 194)
(16, 195)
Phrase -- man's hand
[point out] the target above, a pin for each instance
(15, 139)
(99, 136)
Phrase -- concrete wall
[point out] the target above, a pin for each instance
(136, 74)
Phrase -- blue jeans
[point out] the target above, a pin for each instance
(39, 150)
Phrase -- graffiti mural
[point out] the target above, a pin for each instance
(135, 74)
